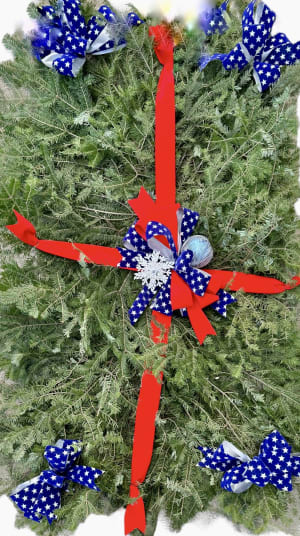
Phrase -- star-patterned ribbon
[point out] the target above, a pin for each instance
(41, 495)
(156, 262)
(264, 52)
(214, 20)
(63, 38)
(274, 464)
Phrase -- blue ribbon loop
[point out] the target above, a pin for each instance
(265, 53)
(274, 464)
(214, 20)
(138, 252)
(63, 38)
(41, 495)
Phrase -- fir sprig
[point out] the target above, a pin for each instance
(71, 153)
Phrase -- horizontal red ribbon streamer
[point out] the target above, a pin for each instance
(25, 231)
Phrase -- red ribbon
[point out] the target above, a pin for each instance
(147, 407)
(164, 210)
(25, 231)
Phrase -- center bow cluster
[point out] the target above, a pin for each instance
(41, 496)
(274, 464)
(266, 53)
(157, 263)
(63, 39)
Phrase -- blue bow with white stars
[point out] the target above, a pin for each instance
(154, 263)
(214, 20)
(40, 496)
(63, 38)
(274, 464)
(258, 48)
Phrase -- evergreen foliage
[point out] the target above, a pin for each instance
(72, 152)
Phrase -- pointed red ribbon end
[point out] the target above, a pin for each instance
(200, 323)
(295, 282)
(24, 230)
(142, 203)
(135, 517)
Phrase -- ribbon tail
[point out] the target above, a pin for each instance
(147, 407)
(224, 300)
(165, 156)
(255, 284)
(164, 118)
(25, 231)
(144, 431)
(205, 59)
(135, 517)
(84, 475)
(140, 304)
(200, 323)
(265, 74)
(164, 209)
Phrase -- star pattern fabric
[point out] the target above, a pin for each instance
(154, 228)
(63, 38)
(40, 496)
(180, 262)
(221, 305)
(132, 240)
(196, 279)
(162, 302)
(140, 304)
(189, 222)
(265, 53)
(274, 464)
(214, 20)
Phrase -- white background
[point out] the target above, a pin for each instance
(12, 16)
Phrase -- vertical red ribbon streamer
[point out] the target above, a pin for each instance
(165, 172)
(149, 396)
(147, 407)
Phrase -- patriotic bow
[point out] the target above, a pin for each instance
(258, 48)
(63, 39)
(214, 20)
(155, 262)
(273, 465)
(40, 496)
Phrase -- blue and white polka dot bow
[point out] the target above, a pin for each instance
(155, 262)
(41, 496)
(63, 38)
(214, 20)
(258, 48)
(274, 464)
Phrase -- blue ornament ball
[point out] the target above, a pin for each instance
(201, 248)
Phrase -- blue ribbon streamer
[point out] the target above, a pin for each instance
(214, 20)
(274, 464)
(41, 495)
(63, 39)
(136, 248)
(265, 53)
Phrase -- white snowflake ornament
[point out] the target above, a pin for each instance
(153, 269)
